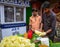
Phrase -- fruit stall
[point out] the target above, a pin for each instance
(13, 32)
(28, 40)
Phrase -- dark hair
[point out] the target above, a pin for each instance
(46, 4)
(58, 7)
(34, 10)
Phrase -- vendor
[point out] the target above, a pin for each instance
(35, 21)
(48, 20)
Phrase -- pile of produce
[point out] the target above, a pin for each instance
(55, 45)
(34, 37)
(15, 41)
(43, 45)
(40, 33)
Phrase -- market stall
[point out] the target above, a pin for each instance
(23, 40)
(13, 22)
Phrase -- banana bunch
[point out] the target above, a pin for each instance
(40, 33)
(15, 41)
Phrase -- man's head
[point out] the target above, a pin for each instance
(46, 10)
(46, 7)
(34, 12)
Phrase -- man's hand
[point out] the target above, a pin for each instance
(48, 31)
(43, 34)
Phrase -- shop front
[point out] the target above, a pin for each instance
(12, 17)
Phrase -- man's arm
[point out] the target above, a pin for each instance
(53, 25)
(48, 31)
(40, 23)
(41, 26)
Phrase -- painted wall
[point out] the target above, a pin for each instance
(28, 13)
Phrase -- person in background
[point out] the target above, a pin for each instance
(48, 20)
(35, 21)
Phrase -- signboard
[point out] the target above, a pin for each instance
(4, 26)
(16, 2)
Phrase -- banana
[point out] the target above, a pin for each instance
(40, 33)
(15, 41)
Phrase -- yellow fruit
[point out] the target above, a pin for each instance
(15, 41)
(25, 35)
(40, 33)
(43, 45)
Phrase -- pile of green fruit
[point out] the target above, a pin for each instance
(34, 38)
(54, 44)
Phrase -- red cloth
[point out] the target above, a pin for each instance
(30, 34)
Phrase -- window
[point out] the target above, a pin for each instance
(19, 14)
(9, 14)
(13, 14)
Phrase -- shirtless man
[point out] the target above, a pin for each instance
(35, 21)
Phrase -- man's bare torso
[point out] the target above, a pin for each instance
(35, 22)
